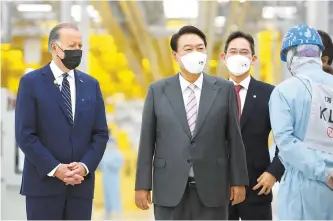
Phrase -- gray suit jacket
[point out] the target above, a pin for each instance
(167, 149)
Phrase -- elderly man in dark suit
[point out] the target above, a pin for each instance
(191, 152)
(60, 126)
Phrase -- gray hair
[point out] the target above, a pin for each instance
(55, 35)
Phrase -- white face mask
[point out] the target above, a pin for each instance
(194, 62)
(238, 64)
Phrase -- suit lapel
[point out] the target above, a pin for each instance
(174, 95)
(250, 101)
(79, 87)
(208, 94)
(53, 88)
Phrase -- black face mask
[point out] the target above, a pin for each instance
(72, 58)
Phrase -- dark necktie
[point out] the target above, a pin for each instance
(238, 88)
(66, 95)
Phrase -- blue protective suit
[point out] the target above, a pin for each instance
(272, 151)
(110, 165)
(303, 193)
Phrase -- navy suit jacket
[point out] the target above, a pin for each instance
(45, 135)
(256, 126)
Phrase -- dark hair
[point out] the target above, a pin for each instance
(186, 30)
(239, 34)
(327, 41)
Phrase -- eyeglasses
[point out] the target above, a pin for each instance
(243, 52)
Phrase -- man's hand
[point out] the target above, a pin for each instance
(142, 199)
(61, 174)
(266, 181)
(77, 168)
(237, 194)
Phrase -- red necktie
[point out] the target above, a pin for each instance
(238, 88)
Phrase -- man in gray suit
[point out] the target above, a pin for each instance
(191, 152)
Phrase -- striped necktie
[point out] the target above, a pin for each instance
(191, 109)
(66, 95)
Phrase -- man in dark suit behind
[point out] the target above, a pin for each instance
(60, 126)
(327, 55)
(253, 97)
(191, 152)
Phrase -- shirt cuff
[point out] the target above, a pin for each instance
(51, 174)
(85, 167)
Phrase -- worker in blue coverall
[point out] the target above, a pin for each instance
(110, 165)
(302, 124)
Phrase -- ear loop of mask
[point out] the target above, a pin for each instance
(294, 75)
(180, 61)
(60, 49)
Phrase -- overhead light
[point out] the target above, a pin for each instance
(242, 1)
(175, 9)
(286, 12)
(219, 21)
(93, 14)
(268, 12)
(34, 8)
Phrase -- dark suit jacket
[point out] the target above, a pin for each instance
(255, 127)
(44, 134)
(167, 150)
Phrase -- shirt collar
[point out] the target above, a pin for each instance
(244, 83)
(184, 83)
(57, 72)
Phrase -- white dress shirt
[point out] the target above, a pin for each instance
(57, 73)
(243, 92)
(186, 93)
(58, 76)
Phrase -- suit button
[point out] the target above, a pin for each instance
(192, 142)
(189, 161)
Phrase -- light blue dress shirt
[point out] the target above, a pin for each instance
(303, 194)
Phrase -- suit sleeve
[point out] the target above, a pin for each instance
(147, 144)
(26, 118)
(238, 165)
(276, 168)
(99, 136)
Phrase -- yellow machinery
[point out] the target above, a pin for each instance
(269, 57)
(269, 42)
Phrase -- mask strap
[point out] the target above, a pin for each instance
(294, 75)
(180, 61)
(62, 51)
(59, 47)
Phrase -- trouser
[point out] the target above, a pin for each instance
(58, 208)
(190, 208)
(251, 211)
